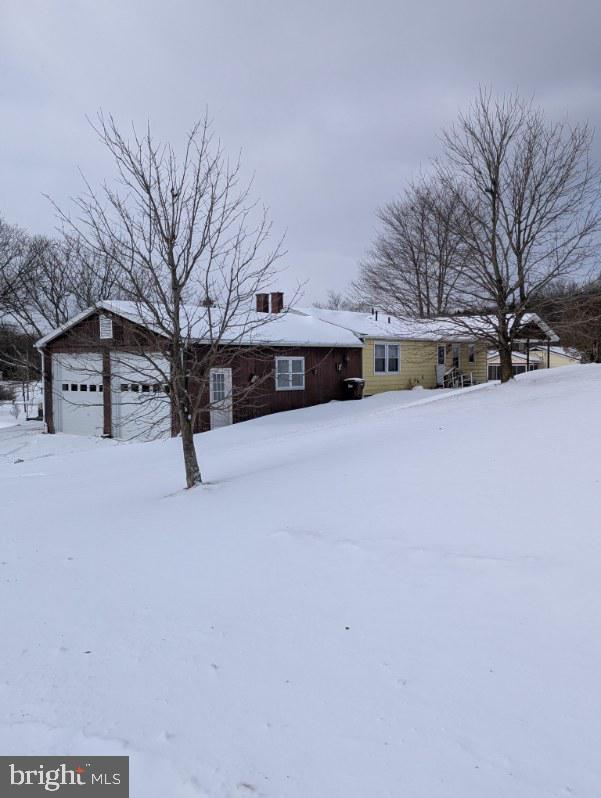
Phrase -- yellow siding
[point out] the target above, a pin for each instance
(556, 360)
(418, 365)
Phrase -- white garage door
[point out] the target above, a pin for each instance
(77, 395)
(141, 405)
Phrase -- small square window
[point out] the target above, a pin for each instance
(92, 387)
(100, 388)
(290, 373)
(65, 386)
(124, 387)
(74, 386)
(145, 388)
(83, 387)
(134, 387)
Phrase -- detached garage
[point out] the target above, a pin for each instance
(108, 392)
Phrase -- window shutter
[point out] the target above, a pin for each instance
(106, 327)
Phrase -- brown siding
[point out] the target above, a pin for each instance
(325, 370)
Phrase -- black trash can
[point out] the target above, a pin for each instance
(354, 387)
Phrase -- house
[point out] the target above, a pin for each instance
(402, 353)
(104, 372)
(535, 357)
(555, 356)
(521, 363)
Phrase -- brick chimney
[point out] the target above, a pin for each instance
(277, 302)
(262, 303)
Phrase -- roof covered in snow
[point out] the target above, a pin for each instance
(516, 357)
(383, 325)
(572, 354)
(242, 327)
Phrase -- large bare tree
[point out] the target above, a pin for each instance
(415, 262)
(191, 251)
(530, 210)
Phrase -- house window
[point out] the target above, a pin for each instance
(471, 354)
(106, 327)
(387, 358)
(218, 386)
(441, 354)
(73, 386)
(83, 387)
(92, 387)
(456, 350)
(289, 373)
(65, 386)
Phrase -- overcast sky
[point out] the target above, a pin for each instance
(335, 105)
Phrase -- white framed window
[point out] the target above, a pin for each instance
(106, 327)
(471, 354)
(290, 373)
(217, 386)
(441, 354)
(387, 358)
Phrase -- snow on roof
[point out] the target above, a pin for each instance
(516, 356)
(386, 326)
(242, 327)
(458, 328)
(563, 351)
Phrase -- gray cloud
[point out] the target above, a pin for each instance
(334, 105)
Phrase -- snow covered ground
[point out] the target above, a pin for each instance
(394, 597)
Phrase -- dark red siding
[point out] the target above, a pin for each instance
(253, 370)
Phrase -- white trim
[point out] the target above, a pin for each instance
(290, 372)
(221, 411)
(386, 345)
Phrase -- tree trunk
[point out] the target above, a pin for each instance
(506, 365)
(193, 476)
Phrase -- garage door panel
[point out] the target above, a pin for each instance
(141, 404)
(78, 394)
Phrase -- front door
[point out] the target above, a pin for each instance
(221, 397)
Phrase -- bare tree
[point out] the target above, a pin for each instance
(335, 300)
(190, 250)
(530, 212)
(415, 262)
(574, 312)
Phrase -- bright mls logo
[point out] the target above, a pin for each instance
(26, 776)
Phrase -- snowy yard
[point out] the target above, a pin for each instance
(394, 597)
